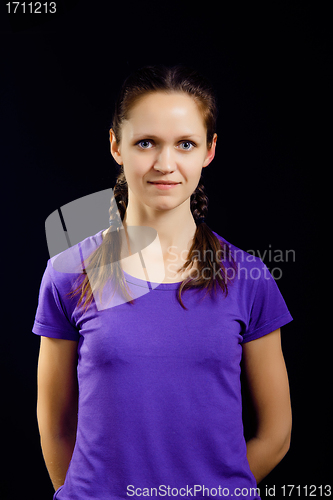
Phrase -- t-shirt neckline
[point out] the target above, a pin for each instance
(139, 282)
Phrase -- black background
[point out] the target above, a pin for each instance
(271, 67)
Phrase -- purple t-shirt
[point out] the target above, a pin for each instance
(160, 407)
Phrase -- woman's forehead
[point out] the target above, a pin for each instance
(162, 111)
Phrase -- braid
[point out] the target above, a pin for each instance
(120, 192)
(199, 203)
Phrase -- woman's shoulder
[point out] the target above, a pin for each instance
(238, 255)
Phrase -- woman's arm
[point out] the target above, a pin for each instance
(267, 379)
(57, 404)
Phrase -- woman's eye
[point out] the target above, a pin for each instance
(145, 144)
(148, 144)
(187, 145)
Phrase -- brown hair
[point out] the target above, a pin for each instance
(104, 262)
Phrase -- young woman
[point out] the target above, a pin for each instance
(143, 397)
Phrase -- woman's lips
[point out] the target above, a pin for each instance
(164, 185)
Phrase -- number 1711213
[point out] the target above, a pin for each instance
(31, 7)
(306, 491)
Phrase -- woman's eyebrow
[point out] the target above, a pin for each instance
(155, 137)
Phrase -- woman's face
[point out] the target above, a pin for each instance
(163, 140)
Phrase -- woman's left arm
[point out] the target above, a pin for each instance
(267, 379)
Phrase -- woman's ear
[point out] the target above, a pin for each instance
(210, 152)
(114, 148)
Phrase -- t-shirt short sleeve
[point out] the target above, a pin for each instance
(52, 318)
(268, 310)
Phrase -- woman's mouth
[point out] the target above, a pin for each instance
(164, 184)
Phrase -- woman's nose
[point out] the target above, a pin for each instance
(165, 161)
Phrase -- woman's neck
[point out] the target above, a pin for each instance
(175, 229)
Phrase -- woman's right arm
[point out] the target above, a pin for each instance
(57, 404)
